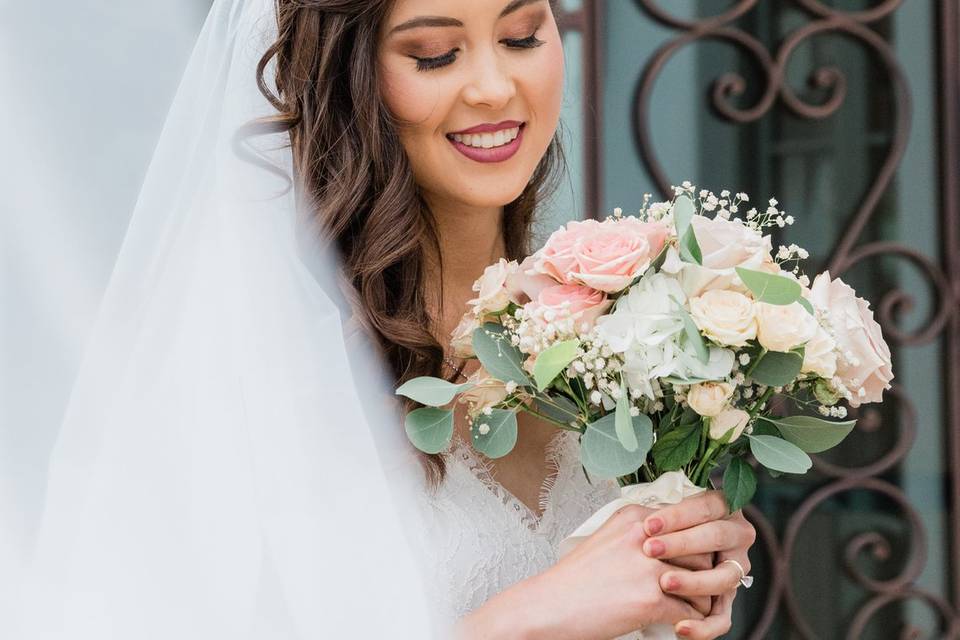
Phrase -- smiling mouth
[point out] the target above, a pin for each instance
(488, 140)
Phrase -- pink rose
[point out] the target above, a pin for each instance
(617, 253)
(556, 257)
(725, 245)
(583, 304)
(524, 283)
(492, 294)
(863, 367)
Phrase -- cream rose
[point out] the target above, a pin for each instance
(726, 317)
(461, 340)
(784, 327)
(487, 392)
(725, 245)
(864, 366)
(709, 398)
(820, 356)
(492, 293)
(736, 419)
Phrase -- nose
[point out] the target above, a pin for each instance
(491, 85)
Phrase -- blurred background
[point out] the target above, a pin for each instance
(846, 111)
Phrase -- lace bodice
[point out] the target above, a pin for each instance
(483, 539)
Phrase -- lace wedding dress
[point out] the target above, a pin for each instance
(483, 539)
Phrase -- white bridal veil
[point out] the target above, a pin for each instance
(224, 468)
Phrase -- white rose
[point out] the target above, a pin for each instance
(736, 419)
(726, 317)
(784, 327)
(492, 293)
(709, 398)
(725, 245)
(864, 367)
(820, 356)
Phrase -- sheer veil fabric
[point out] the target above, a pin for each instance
(224, 468)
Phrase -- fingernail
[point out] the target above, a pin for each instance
(673, 582)
(683, 631)
(654, 526)
(654, 548)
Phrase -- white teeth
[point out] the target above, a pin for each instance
(487, 140)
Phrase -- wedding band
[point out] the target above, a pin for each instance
(745, 580)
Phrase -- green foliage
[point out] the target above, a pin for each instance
(552, 361)
(602, 453)
(777, 368)
(429, 429)
(770, 288)
(433, 392)
(813, 435)
(677, 448)
(501, 359)
(739, 484)
(502, 436)
(779, 455)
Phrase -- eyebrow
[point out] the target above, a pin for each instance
(440, 21)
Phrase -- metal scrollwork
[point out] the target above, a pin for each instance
(944, 282)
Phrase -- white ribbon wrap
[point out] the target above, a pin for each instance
(670, 488)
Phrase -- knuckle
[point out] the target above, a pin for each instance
(718, 538)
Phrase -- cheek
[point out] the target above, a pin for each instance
(411, 99)
(546, 85)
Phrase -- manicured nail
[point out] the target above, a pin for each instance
(683, 631)
(654, 526)
(654, 548)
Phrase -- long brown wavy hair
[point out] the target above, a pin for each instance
(353, 176)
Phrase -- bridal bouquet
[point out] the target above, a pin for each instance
(661, 339)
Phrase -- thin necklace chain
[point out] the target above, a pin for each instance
(457, 369)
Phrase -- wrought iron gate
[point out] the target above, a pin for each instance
(840, 552)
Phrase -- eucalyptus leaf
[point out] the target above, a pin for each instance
(770, 288)
(806, 305)
(623, 424)
(813, 435)
(501, 359)
(690, 248)
(692, 332)
(677, 447)
(779, 455)
(433, 392)
(778, 368)
(552, 361)
(501, 433)
(604, 456)
(739, 484)
(429, 429)
(556, 407)
(683, 212)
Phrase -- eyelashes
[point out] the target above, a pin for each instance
(427, 64)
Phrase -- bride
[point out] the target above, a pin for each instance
(226, 467)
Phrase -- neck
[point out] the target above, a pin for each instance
(470, 238)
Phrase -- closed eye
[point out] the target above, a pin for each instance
(426, 64)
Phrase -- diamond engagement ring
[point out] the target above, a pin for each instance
(745, 580)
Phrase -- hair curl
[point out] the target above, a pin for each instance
(353, 176)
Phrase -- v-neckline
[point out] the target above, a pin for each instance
(482, 471)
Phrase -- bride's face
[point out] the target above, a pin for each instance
(478, 85)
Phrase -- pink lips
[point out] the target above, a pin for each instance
(494, 154)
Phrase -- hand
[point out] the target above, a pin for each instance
(606, 587)
(695, 526)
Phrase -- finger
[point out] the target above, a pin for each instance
(698, 562)
(718, 623)
(703, 604)
(621, 521)
(713, 582)
(737, 555)
(719, 535)
(688, 513)
(673, 610)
